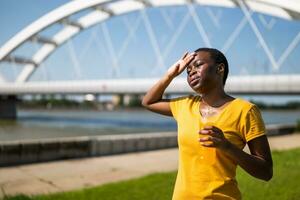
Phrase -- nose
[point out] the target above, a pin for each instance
(193, 71)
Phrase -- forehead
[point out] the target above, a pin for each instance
(204, 56)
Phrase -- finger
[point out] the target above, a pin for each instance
(184, 64)
(208, 127)
(188, 60)
(184, 55)
(189, 55)
(205, 139)
(209, 133)
(205, 131)
(208, 144)
(213, 128)
(210, 140)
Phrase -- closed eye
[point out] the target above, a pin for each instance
(198, 64)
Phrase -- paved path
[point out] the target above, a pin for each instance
(79, 173)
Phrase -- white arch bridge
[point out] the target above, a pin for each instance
(257, 85)
(98, 11)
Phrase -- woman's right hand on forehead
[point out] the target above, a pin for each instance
(179, 66)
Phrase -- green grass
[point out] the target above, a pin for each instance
(283, 186)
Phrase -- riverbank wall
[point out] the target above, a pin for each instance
(33, 151)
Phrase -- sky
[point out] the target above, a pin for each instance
(89, 54)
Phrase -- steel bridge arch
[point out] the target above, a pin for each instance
(102, 10)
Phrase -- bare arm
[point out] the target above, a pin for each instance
(153, 99)
(259, 163)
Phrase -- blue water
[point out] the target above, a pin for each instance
(92, 119)
(53, 124)
(137, 119)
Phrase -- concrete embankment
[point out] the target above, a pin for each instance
(65, 175)
(22, 152)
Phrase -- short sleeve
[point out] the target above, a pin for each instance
(253, 125)
(175, 105)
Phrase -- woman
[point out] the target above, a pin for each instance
(213, 129)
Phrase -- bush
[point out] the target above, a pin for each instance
(298, 125)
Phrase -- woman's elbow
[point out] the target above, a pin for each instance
(268, 175)
(145, 103)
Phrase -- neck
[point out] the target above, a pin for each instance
(215, 97)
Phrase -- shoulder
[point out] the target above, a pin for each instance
(244, 105)
(187, 99)
(247, 110)
(184, 102)
(251, 123)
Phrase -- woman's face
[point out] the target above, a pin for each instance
(201, 72)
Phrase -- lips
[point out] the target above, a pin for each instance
(194, 81)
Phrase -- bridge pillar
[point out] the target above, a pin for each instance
(118, 100)
(8, 107)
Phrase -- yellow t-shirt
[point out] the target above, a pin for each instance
(207, 173)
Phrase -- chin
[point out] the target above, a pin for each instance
(198, 89)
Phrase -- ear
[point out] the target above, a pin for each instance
(220, 68)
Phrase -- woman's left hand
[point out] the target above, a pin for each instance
(213, 137)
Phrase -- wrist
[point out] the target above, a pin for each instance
(228, 147)
(169, 76)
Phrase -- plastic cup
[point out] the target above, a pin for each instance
(208, 154)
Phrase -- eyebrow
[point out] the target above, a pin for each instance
(199, 61)
(195, 62)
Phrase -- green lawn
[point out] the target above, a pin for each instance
(283, 186)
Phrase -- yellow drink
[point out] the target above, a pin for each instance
(208, 154)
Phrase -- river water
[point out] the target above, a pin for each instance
(38, 124)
